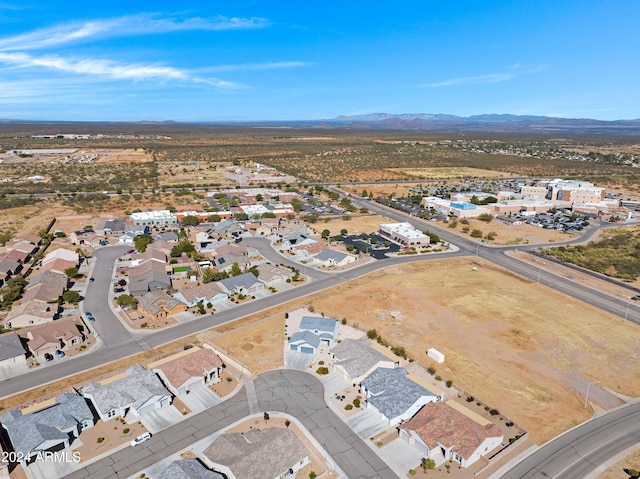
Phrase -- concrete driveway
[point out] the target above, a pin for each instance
(200, 398)
(367, 424)
(400, 456)
(297, 360)
(162, 418)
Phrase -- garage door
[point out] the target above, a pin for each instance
(294, 347)
(306, 349)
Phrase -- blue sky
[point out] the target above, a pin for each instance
(289, 60)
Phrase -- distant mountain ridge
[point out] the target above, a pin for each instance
(484, 122)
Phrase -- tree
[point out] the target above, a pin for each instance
(343, 231)
(428, 464)
(241, 216)
(127, 301)
(141, 242)
(71, 272)
(190, 220)
(296, 204)
(259, 197)
(207, 275)
(214, 218)
(325, 234)
(235, 269)
(364, 194)
(182, 247)
(268, 214)
(486, 217)
(72, 297)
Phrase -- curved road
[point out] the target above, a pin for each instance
(296, 393)
(582, 449)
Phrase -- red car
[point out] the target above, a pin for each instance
(130, 251)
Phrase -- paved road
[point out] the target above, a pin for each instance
(296, 393)
(581, 450)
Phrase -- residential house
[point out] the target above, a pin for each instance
(393, 396)
(86, 237)
(308, 249)
(328, 257)
(271, 453)
(14, 255)
(228, 254)
(190, 468)
(299, 237)
(8, 268)
(30, 313)
(115, 226)
(226, 229)
(268, 227)
(49, 429)
(355, 359)
(151, 254)
(57, 335)
(50, 277)
(137, 392)
(157, 306)
(246, 284)
(136, 230)
(444, 433)
(45, 293)
(188, 370)
(150, 276)
(58, 265)
(271, 274)
(312, 333)
(194, 293)
(63, 254)
(12, 350)
(168, 236)
(126, 238)
(304, 342)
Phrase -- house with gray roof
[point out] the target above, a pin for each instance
(355, 359)
(168, 236)
(188, 469)
(137, 392)
(149, 276)
(50, 277)
(111, 226)
(271, 453)
(50, 429)
(193, 293)
(393, 396)
(12, 350)
(246, 284)
(329, 257)
(325, 328)
(304, 342)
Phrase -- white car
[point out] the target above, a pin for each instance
(141, 438)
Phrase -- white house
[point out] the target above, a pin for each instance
(137, 392)
(443, 433)
(328, 257)
(393, 396)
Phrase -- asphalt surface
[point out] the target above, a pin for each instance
(580, 450)
(296, 393)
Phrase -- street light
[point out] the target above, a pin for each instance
(626, 314)
(586, 397)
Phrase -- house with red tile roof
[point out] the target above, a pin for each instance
(445, 433)
(189, 369)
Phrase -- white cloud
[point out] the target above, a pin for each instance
(256, 66)
(130, 25)
(490, 78)
(109, 69)
(514, 71)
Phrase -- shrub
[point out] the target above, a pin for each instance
(320, 363)
(100, 440)
(349, 407)
(372, 334)
(266, 416)
(465, 230)
(470, 399)
(312, 475)
(322, 370)
(494, 412)
(356, 402)
(449, 383)
(464, 221)
(509, 423)
(382, 341)
(125, 430)
(476, 234)
(486, 217)
(399, 351)
(412, 472)
(486, 408)
(431, 370)
(438, 378)
(344, 321)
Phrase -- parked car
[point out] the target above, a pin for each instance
(636, 297)
(59, 353)
(130, 251)
(89, 316)
(92, 279)
(48, 357)
(141, 438)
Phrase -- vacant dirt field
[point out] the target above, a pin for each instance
(258, 346)
(530, 359)
(445, 173)
(357, 224)
(508, 234)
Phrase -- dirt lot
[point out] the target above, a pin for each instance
(258, 346)
(530, 359)
(357, 224)
(508, 234)
(447, 173)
